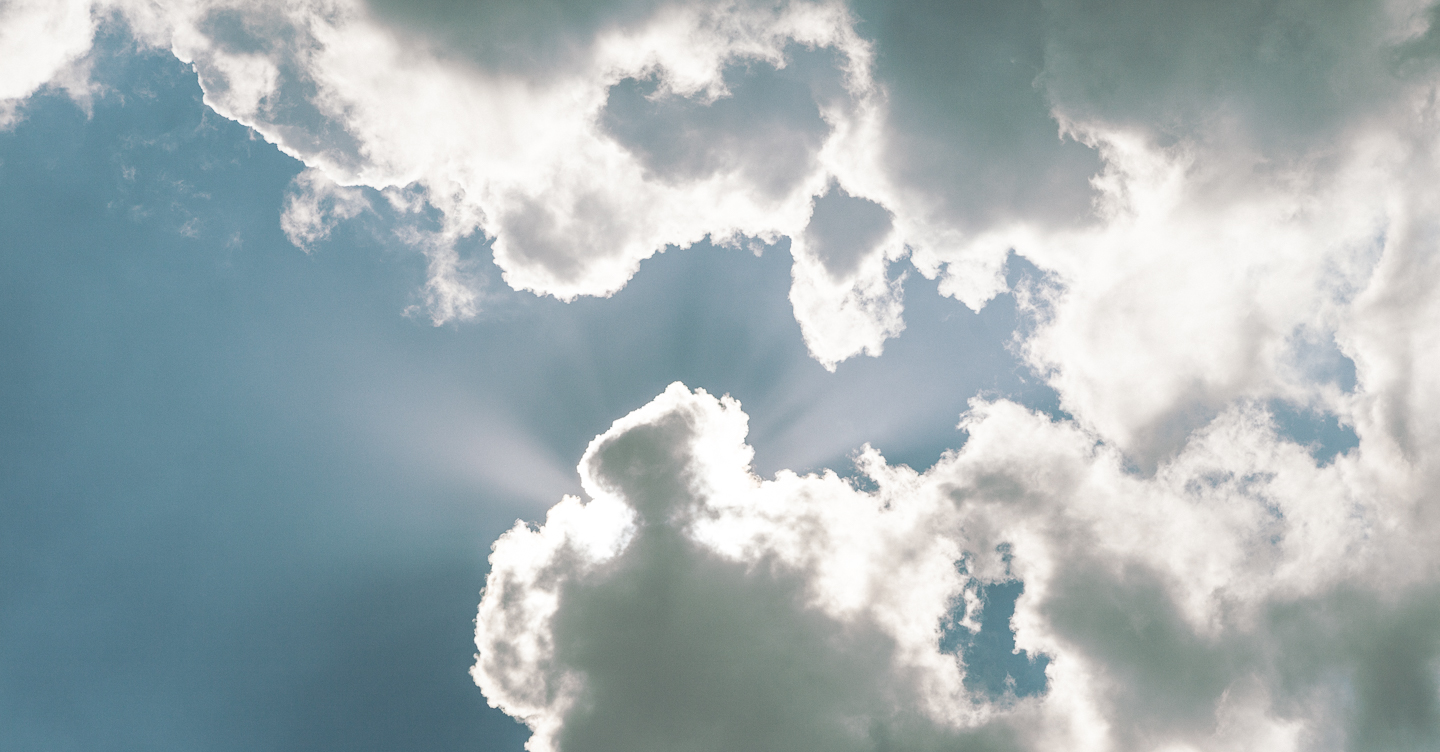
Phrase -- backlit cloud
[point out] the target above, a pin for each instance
(1242, 597)
(583, 140)
(652, 127)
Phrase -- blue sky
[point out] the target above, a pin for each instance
(304, 307)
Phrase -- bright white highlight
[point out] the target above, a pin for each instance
(1240, 598)
(562, 170)
(42, 42)
(1256, 175)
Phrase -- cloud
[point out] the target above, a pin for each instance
(314, 206)
(584, 138)
(42, 42)
(1263, 148)
(650, 126)
(1242, 597)
(688, 604)
(843, 298)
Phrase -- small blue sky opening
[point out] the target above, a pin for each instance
(993, 665)
(1319, 431)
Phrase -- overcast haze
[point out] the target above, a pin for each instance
(772, 375)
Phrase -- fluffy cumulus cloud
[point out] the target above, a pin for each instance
(1266, 204)
(1241, 597)
(42, 42)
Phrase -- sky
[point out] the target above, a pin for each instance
(671, 375)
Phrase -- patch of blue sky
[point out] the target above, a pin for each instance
(1319, 431)
(244, 497)
(993, 665)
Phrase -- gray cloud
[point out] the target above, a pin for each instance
(843, 230)
(767, 126)
(1280, 79)
(1216, 605)
(532, 39)
(681, 649)
(670, 636)
(970, 128)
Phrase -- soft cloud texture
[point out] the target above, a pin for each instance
(649, 127)
(314, 206)
(584, 138)
(42, 42)
(1240, 598)
(688, 604)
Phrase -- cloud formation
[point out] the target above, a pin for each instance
(1264, 148)
(643, 126)
(42, 43)
(580, 139)
(1242, 597)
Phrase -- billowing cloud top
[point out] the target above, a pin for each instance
(1232, 207)
(1242, 597)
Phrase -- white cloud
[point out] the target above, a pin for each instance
(687, 604)
(1198, 581)
(1240, 598)
(42, 42)
(1103, 143)
(842, 297)
(314, 206)
(644, 126)
(1220, 264)
(687, 121)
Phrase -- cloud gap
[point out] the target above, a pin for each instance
(993, 665)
